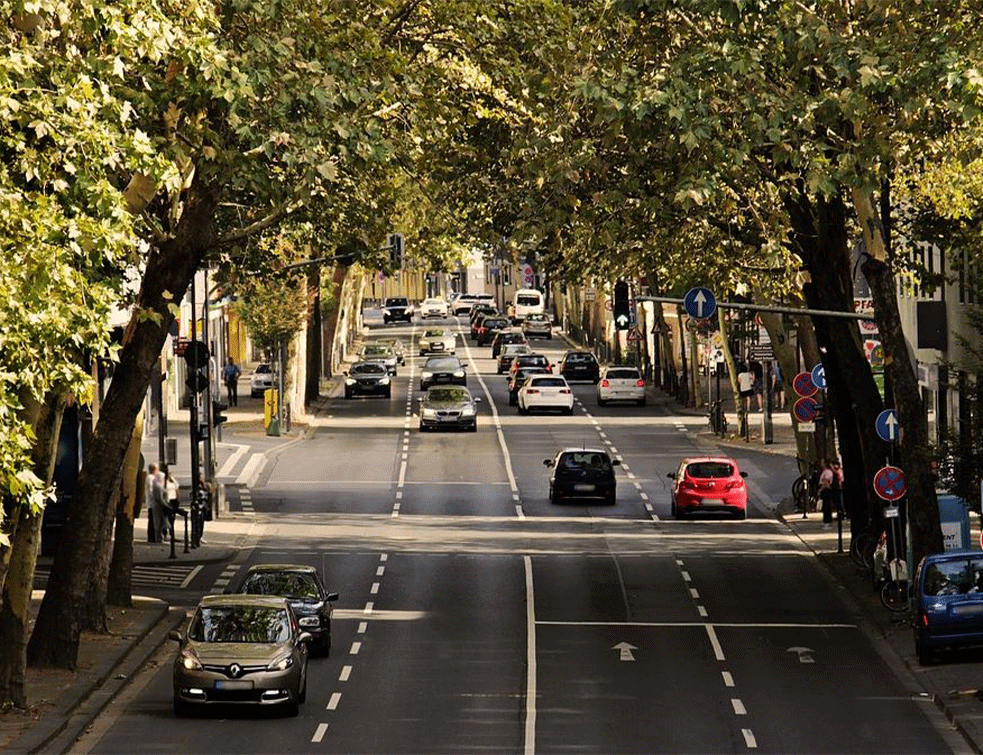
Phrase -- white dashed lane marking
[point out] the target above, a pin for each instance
(334, 700)
(346, 673)
(319, 732)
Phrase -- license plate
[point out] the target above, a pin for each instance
(711, 501)
(222, 684)
(443, 378)
(584, 488)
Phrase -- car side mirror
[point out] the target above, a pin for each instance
(477, 399)
(671, 475)
(305, 637)
(615, 462)
(548, 462)
(175, 635)
(332, 597)
(743, 474)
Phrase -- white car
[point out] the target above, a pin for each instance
(620, 384)
(432, 308)
(380, 352)
(437, 341)
(545, 392)
(260, 380)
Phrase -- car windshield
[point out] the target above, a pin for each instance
(433, 334)
(367, 369)
(957, 577)
(549, 382)
(396, 302)
(447, 394)
(710, 469)
(442, 364)
(295, 585)
(527, 300)
(623, 374)
(376, 351)
(240, 624)
(263, 368)
(585, 460)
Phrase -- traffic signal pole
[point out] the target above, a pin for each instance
(193, 406)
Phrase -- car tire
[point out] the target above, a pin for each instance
(302, 695)
(554, 496)
(512, 400)
(423, 387)
(291, 709)
(568, 410)
(741, 514)
(473, 428)
(389, 393)
(641, 402)
(925, 655)
(181, 708)
(348, 394)
(522, 410)
(601, 401)
(549, 337)
(672, 509)
(611, 498)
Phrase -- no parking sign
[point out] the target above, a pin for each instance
(803, 385)
(890, 483)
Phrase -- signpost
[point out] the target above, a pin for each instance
(803, 385)
(700, 302)
(887, 425)
(634, 336)
(890, 483)
(805, 409)
(819, 376)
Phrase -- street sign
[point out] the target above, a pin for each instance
(634, 336)
(609, 305)
(803, 385)
(760, 351)
(819, 376)
(806, 427)
(805, 409)
(589, 294)
(700, 302)
(890, 483)
(887, 425)
(527, 275)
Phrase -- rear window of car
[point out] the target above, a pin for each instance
(525, 372)
(580, 357)
(442, 364)
(432, 301)
(954, 577)
(532, 359)
(710, 469)
(536, 318)
(527, 300)
(396, 303)
(623, 374)
(494, 322)
(549, 382)
(580, 460)
(263, 368)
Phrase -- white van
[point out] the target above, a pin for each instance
(527, 301)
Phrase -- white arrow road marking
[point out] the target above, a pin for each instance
(805, 654)
(625, 650)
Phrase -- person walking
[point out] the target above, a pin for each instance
(837, 488)
(778, 387)
(172, 490)
(745, 386)
(230, 376)
(158, 504)
(826, 493)
(757, 385)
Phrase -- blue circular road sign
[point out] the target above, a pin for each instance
(890, 483)
(700, 303)
(819, 376)
(887, 425)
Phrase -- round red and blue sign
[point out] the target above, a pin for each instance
(803, 385)
(890, 483)
(805, 409)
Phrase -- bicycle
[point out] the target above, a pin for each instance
(894, 591)
(862, 549)
(717, 418)
(804, 495)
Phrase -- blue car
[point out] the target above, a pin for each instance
(948, 599)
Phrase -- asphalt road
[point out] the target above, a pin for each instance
(477, 617)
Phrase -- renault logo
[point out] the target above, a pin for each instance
(235, 670)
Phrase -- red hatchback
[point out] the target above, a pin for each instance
(709, 483)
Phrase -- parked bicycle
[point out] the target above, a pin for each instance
(894, 591)
(717, 418)
(805, 493)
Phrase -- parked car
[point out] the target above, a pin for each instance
(305, 593)
(538, 325)
(579, 365)
(260, 380)
(397, 308)
(620, 384)
(379, 352)
(582, 473)
(948, 602)
(396, 345)
(448, 406)
(439, 370)
(241, 649)
(509, 352)
(433, 308)
(368, 379)
(518, 377)
(708, 483)
(545, 392)
(489, 328)
(530, 360)
(504, 337)
(437, 341)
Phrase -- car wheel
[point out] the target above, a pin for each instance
(924, 653)
(389, 393)
(601, 401)
(672, 509)
(348, 394)
(326, 644)
(641, 402)
(181, 708)
(473, 428)
(512, 400)
(292, 708)
(302, 695)
(740, 514)
(611, 498)
(568, 410)
(554, 496)
(423, 387)
(549, 337)
(523, 410)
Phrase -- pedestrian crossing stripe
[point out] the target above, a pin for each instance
(145, 575)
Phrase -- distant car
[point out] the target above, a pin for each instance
(464, 302)
(241, 649)
(948, 602)
(545, 392)
(530, 360)
(579, 365)
(368, 379)
(517, 378)
(397, 308)
(397, 346)
(448, 406)
(437, 341)
(432, 308)
(582, 473)
(509, 352)
(489, 328)
(708, 484)
(478, 320)
(538, 325)
(481, 310)
(620, 384)
(305, 593)
(443, 370)
(505, 337)
(379, 352)
(260, 380)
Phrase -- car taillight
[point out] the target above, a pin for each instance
(640, 383)
(564, 390)
(531, 390)
(482, 329)
(605, 383)
(924, 619)
(734, 484)
(549, 369)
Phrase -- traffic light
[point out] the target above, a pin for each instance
(217, 417)
(196, 356)
(396, 250)
(622, 306)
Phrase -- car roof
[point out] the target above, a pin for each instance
(281, 567)
(242, 599)
(582, 450)
(954, 555)
(694, 459)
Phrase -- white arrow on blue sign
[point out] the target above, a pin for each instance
(887, 425)
(700, 302)
(819, 377)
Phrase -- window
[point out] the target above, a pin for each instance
(286, 584)
(705, 470)
(587, 460)
(549, 382)
(240, 624)
(527, 300)
(622, 374)
(954, 577)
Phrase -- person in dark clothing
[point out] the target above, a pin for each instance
(230, 376)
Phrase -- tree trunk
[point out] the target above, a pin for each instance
(331, 323)
(118, 590)
(169, 271)
(785, 356)
(312, 383)
(15, 604)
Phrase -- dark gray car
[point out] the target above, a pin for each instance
(448, 407)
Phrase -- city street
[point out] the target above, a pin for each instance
(476, 616)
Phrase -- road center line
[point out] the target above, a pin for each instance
(529, 747)
(749, 739)
(728, 679)
(333, 702)
(718, 652)
(739, 709)
(319, 732)
(356, 646)
(346, 673)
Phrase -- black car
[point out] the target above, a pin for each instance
(305, 593)
(582, 473)
(479, 318)
(489, 328)
(505, 337)
(481, 310)
(443, 371)
(368, 378)
(448, 406)
(579, 365)
(397, 308)
(517, 378)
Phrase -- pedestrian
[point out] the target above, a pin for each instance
(837, 487)
(230, 376)
(745, 386)
(158, 508)
(826, 493)
(778, 387)
(173, 497)
(757, 386)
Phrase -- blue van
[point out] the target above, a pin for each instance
(948, 600)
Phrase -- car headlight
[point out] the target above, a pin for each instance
(350, 381)
(190, 660)
(426, 375)
(467, 411)
(282, 663)
(459, 373)
(384, 381)
(309, 621)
